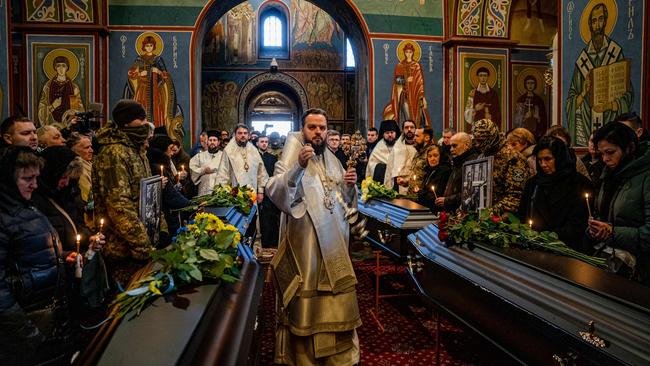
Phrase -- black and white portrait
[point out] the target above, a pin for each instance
(151, 206)
(477, 185)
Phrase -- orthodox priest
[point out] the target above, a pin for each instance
(318, 313)
(379, 158)
(204, 165)
(241, 164)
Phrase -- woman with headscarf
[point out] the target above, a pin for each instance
(622, 223)
(436, 174)
(553, 199)
(522, 140)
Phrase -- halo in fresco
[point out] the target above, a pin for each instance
(612, 16)
(48, 67)
(416, 54)
(473, 78)
(539, 86)
(160, 45)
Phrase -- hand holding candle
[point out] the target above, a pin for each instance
(101, 225)
(588, 207)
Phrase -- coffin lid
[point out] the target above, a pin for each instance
(399, 213)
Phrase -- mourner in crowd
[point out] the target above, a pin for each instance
(621, 227)
(563, 134)
(334, 144)
(345, 140)
(83, 147)
(594, 164)
(554, 198)
(318, 311)
(254, 136)
(522, 140)
(371, 140)
(19, 131)
(34, 318)
(49, 136)
(269, 213)
(204, 165)
(241, 164)
(118, 168)
(509, 168)
(435, 177)
(423, 139)
(633, 121)
(461, 152)
(201, 145)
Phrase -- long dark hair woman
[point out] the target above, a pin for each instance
(436, 174)
(554, 198)
(622, 226)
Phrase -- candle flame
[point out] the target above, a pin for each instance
(101, 221)
(78, 237)
(586, 195)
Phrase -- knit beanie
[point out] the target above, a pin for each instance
(126, 110)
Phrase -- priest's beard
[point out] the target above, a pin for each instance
(241, 143)
(213, 149)
(319, 149)
(390, 143)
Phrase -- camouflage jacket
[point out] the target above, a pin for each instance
(509, 176)
(117, 170)
(418, 167)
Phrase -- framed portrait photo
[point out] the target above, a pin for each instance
(151, 206)
(477, 185)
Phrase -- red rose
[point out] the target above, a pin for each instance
(234, 191)
(443, 216)
(496, 219)
(443, 235)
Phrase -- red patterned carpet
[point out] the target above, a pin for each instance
(409, 336)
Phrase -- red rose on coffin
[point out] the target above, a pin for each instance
(443, 235)
(443, 217)
(496, 219)
(234, 191)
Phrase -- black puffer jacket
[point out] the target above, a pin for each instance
(31, 273)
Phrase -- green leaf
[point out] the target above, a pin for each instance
(196, 274)
(229, 278)
(209, 254)
(513, 219)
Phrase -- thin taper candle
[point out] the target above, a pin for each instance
(162, 168)
(78, 240)
(588, 207)
(530, 224)
(433, 189)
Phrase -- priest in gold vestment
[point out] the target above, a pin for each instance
(318, 312)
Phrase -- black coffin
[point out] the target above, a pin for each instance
(534, 304)
(394, 220)
(216, 329)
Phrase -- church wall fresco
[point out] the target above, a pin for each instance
(533, 22)
(55, 93)
(4, 61)
(139, 60)
(408, 88)
(602, 42)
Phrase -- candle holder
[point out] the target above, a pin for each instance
(356, 150)
(357, 227)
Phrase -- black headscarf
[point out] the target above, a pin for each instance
(8, 157)
(565, 164)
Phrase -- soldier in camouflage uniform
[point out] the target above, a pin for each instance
(509, 169)
(423, 140)
(117, 170)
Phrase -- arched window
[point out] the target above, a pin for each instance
(349, 55)
(273, 32)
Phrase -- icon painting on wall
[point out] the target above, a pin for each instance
(150, 84)
(530, 99)
(482, 89)
(600, 88)
(60, 96)
(408, 101)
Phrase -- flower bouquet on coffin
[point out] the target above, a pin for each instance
(489, 229)
(205, 249)
(373, 189)
(223, 195)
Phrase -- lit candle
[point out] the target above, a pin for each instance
(101, 225)
(178, 177)
(162, 168)
(78, 240)
(530, 224)
(182, 168)
(78, 273)
(433, 189)
(588, 207)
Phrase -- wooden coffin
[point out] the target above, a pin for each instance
(390, 221)
(245, 224)
(534, 305)
(217, 328)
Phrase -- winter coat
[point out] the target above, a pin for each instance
(629, 210)
(32, 276)
(438, 177)
(509, 175)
